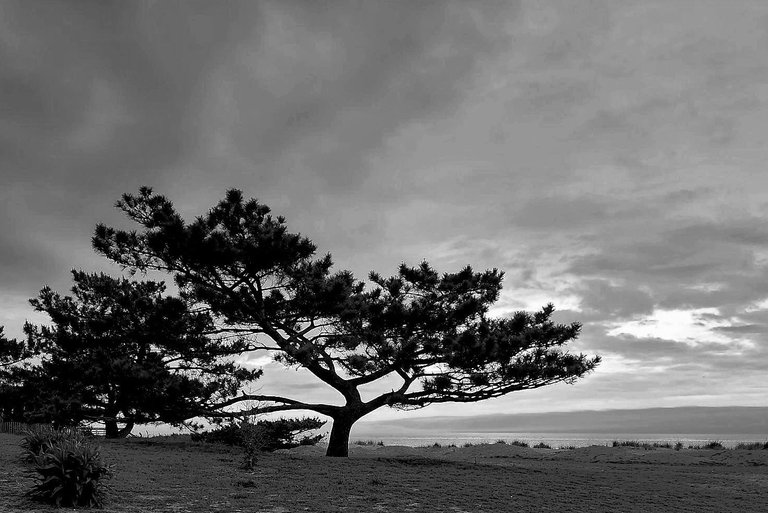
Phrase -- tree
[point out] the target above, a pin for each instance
(13, 354)
(12, 351)
(123, 352)
(431, 332)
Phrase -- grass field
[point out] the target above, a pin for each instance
(176, 475)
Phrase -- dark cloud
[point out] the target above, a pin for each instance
(609, 156)
(614, 301)
(746, 329)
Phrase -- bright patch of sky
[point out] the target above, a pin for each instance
(689, 326)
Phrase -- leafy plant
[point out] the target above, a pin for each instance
(70, 474)
(38, 441)
(542, 445)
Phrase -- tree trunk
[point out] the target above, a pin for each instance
(112, 431)
(338, 445)
(126, 430)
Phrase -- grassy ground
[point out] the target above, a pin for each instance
(180, 476)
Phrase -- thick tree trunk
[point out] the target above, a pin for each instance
(112, 431)
(338, 445)
(126, 430)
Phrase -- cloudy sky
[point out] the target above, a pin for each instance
(609, 156)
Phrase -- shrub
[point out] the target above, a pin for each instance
(518, 443)
(38, 441)
(678, 446)
(368, 442)
(273, 434)
(714, 445)
(70, 474)
(752, 446)
(542, 445)
(254, 438)
(642, 445)
(626, 443)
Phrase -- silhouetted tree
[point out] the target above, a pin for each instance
(13, 354)
(432, 332)
(12, 351)
(123, 352)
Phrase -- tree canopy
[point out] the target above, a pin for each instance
(13, 354)
(124, 352)
(430, 331)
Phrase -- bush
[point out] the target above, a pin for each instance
(380, 443)
(254, 438)
(714, 445)
(41, 440)
(626, 443)
(752, 446)
(518, 443)
(542, 445)
(272, 434)
(70, 473)
(642, 445)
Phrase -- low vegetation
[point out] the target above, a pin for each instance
(752, 446)
(642, 445)
(174, 473)
(38, 441)
(68, 469)
(265, 435)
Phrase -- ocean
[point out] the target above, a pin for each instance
(556, 440)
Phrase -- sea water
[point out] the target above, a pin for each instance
(557, 440)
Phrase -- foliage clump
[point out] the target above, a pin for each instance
(123, 352)
(39, 441)
(269, 435)
(752, 446)
(68, 470)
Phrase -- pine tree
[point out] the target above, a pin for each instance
(123, 352)
(430, 331)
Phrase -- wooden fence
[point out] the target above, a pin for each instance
(18, 428)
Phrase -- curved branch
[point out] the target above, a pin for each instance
(287, 404)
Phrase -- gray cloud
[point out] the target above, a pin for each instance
(609, 156)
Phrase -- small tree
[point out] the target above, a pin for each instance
(13, 355)
(430, 331)
(12, 351)
(123, 352)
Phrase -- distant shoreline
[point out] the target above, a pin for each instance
(746, 420)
